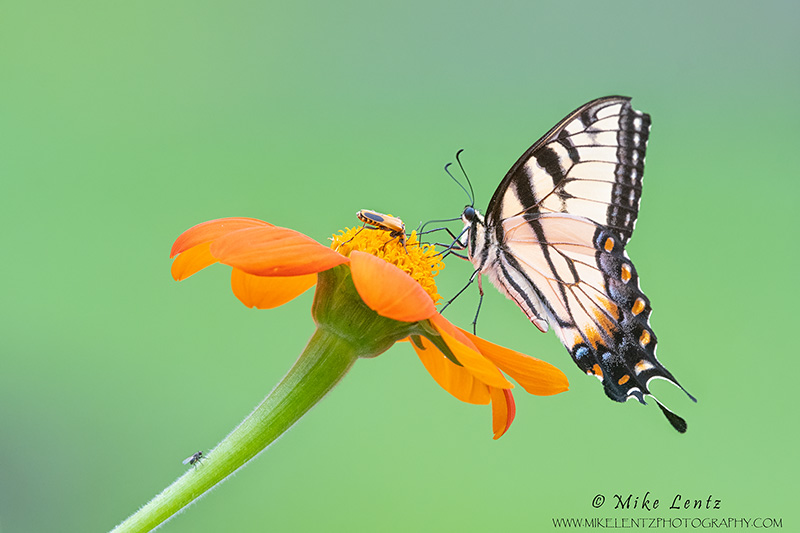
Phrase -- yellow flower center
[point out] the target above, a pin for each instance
(420, 261)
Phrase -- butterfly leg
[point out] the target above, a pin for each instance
(456, 238)
(452, 235)
(471, 279)
(445, 253)
(455, 245)
(478, 311)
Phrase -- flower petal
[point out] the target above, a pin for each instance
(534, 375)
(468, 355)
(503, 411)
(192, 260)
(274, 251)
(211, 230)
(388, 290)
(268, 292)
(455, 379)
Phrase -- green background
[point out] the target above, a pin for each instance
(123, 124)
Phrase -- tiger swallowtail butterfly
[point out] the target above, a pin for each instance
(553, 241)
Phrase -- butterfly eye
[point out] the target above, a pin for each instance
(469, 213)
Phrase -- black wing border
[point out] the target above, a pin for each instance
(491, 214)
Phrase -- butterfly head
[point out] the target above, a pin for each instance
(473, 235)
(469, 216)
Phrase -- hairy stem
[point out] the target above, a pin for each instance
(323, 363)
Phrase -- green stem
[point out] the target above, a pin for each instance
(323, 363)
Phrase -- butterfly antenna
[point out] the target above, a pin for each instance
(453, 299)
(447, 169)
(471, 192)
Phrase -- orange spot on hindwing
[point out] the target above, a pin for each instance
(638, 306)
(597, 371)
(624, 379)
(593, 336)
(644, 338)
(605, 322)
(578, 340)
(625, 273)
(643, 366)
(609, 244)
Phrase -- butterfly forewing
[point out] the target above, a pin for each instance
(554, 241)
(590, 164)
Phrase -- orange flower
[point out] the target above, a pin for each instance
(272, 265)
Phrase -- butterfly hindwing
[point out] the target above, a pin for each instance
(554, 238)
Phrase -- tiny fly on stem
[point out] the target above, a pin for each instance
(193, 459)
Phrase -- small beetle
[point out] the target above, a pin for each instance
(376, 220)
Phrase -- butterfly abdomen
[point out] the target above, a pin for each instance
(490, 258)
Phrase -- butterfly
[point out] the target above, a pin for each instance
(553, 241)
